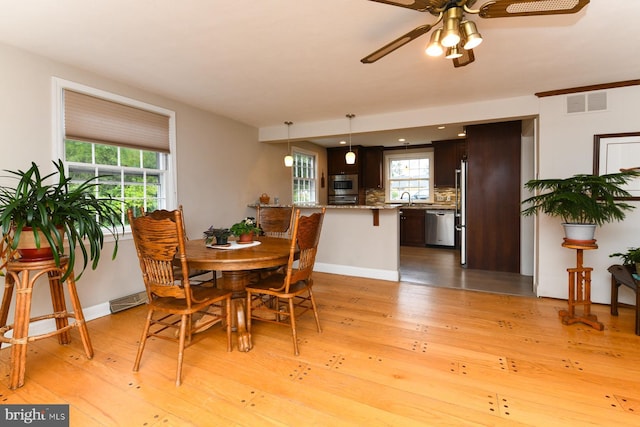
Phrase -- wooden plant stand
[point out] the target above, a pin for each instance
(580, 287)
(23, 276)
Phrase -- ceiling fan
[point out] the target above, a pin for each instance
(458, 36)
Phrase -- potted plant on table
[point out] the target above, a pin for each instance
(41, 211)
(219, 234)
(581, 201)
(245, 230)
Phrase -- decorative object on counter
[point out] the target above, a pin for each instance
(245, 230)
(350, 157)
(631, 258)
(220, 234)
(264, 199)
(57, 211)
(581, 201)
(288, 159)
(322, 180)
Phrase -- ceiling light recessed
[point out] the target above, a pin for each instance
(441, 127)
(401, 140)
(343, 142)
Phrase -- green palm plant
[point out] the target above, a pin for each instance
(581, 199)
(59, 208)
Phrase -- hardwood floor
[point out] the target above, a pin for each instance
(390, 354)
(441, 267)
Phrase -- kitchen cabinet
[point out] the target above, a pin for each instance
(412, 227)
(372, 167)
(336, 164)
(446, 158)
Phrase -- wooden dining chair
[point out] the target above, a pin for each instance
(171, 302)
(275, 221)
(194, 273)
(279, 298)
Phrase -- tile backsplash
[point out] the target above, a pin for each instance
(443, 195)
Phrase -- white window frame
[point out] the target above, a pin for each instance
(315, 172)
(58, 138)
(388, 157)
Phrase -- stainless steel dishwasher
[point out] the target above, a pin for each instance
(440, 227)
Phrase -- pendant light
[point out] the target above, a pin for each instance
(350, 157)
(288, 159)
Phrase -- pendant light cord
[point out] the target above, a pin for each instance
(350, 116)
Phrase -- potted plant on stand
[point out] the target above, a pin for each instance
(581, 201)
(42, 211)
(245, 230)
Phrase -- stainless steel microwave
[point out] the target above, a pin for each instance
(343, 185)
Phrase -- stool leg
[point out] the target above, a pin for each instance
(59, 305)
(79, 316)
(637, 311)
(20, 329)
(6, 299)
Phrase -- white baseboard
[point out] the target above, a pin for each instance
(371, 273)
(49, 325)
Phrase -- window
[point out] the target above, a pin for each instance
(304, 177)
(126, 143)
(409, 173)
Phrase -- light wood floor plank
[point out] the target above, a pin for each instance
(390, 354)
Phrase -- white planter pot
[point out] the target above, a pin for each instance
(579, 231)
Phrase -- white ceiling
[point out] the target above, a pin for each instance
(267, 61)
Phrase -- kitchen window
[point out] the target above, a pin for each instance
(410, 173)
(125, 142)
(304, 177)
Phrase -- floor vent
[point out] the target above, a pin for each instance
(130, 301)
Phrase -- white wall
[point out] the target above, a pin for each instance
(221, 166)
(566, 148)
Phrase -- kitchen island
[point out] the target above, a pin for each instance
(359, 240)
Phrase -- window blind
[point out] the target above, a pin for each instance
(92, 119)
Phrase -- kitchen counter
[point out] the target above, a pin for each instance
(426, 206)
(367, 207)
(358, 240)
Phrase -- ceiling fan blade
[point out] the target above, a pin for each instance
(508, 8)
(399, 42)
(420, 5)
(467, 58)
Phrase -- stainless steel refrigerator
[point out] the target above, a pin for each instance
(461, 209)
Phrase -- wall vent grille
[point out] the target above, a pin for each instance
(130, 301)
(581, 103)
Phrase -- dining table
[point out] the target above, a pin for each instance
(237, 262)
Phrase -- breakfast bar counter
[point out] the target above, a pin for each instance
(354, 244)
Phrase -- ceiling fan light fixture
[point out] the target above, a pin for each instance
(470, 35)
(450, 27)
(434, 48)
(453, 52)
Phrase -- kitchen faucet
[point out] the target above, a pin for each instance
(407, 193)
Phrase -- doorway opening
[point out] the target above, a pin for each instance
(441, 267)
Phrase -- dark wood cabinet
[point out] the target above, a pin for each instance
(372, 158)
(336, 163)
(446, 158)
(412, 227)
